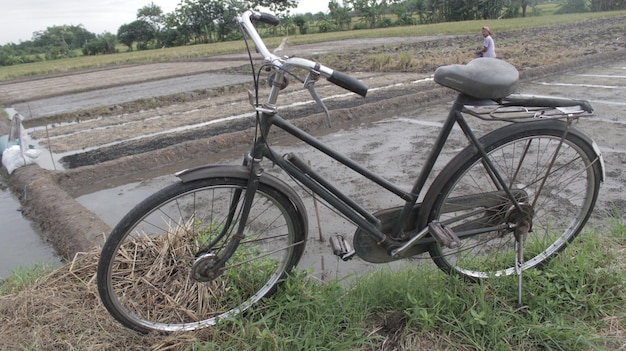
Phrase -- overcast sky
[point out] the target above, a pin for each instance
(20, 18)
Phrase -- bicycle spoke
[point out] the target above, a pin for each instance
(553, 172)
(165, 272)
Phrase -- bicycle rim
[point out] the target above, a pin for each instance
(558, 177)
(145, 274)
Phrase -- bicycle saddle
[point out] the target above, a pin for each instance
(482, 78)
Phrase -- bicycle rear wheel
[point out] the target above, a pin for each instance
(149, 268)
(555, 169)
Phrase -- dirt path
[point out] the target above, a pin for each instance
(42, 90)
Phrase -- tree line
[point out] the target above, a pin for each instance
(208, 21)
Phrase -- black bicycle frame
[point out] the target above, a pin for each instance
(300, 171)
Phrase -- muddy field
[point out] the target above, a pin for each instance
(122, 142)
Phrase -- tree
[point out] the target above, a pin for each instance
(340, 15)
(421, 7)
(607, 5)
(152, 14)
(60, 41)
(197, 19)
(572, 6)
(403, 13)
(139, 31)
(126, 36)
(524, 4)
(208, 21)
(372, 11)
(302, 22)
(172, 37)
(273, 5)
(102, 44)
(228, 26)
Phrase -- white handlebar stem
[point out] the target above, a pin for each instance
(283, 63)
(246, 20)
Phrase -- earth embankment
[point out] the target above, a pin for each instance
(121, 140)
(63, 311)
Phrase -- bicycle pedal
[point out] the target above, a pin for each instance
(444, 235)
(341, 247)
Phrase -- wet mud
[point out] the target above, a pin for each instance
(125, 142)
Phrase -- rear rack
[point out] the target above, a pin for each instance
(524, 108)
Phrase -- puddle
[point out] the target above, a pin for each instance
(20, 243)
(112, 204)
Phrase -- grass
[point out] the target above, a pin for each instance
(204, 50)
(23, 277)
(132, 57)
(575, 303)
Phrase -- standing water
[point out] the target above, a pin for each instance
(20, 243)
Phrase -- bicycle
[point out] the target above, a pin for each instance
(209, 246)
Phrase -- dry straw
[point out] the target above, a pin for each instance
(62, 310)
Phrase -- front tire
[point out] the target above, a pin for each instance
(562, 195)
(146, 273)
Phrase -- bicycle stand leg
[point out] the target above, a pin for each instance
(522, 226)
(519, 261)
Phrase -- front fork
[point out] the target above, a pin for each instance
(208, 264)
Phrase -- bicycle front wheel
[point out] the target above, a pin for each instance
(554, 169)
(158, 269)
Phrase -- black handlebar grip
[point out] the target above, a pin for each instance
(268, 18)
(345, 81)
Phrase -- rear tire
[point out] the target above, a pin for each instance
(562, 197)
(145, 275)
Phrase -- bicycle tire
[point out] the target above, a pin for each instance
(144, 272)
(561, 208)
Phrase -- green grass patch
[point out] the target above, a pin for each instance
(23, 277)
(130, 57)
(575, 303)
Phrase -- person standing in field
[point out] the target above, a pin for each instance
(488, 49)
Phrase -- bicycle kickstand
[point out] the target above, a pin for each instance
(520, 232)
(519, 258)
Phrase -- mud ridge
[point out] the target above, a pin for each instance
(63, 221)
(47, 196)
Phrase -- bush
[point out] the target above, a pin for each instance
(573, 6)
(103, 44)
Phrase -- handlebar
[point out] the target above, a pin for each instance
(349, 83)
(340, 79)
(267, 18)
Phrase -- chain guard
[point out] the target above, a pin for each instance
(368, 249)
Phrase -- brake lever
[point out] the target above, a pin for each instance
(309, 84)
